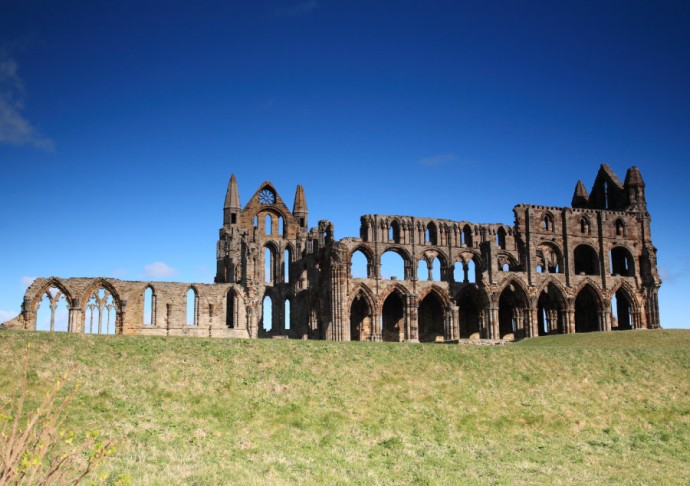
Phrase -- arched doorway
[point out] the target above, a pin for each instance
(361, 313)
(431, 315)
(512, 312)
(587, 310)
(393, 318)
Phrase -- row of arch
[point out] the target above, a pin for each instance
(398, 316)
(401, 232)
(53, 309)
(548, 224)
(396, 262)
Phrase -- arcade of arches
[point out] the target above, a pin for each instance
(590, 266)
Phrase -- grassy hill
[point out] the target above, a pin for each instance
(602, 408)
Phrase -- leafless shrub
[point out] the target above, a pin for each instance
(35, 449)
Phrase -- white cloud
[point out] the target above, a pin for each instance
(7, 315)
(158, 270)
(27, 281)
(298, 9)
(15, 129)
(437, 160)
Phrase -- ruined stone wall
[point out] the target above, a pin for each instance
(554, 270)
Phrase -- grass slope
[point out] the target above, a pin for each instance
(602, 408)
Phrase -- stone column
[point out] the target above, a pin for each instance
(412, 318)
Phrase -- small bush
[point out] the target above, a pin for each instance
(34, 449)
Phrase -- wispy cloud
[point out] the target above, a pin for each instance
(437, 160)
(15, 129)
(158, 270)
(26, 281)
(297, 9)
(672, 276)
(7, 315)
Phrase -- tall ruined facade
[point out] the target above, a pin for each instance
(588, 267)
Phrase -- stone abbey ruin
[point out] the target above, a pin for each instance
(588, 267)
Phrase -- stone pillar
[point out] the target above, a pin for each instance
(377, 325)
(412, 318)
(455, 320)
(493, 326)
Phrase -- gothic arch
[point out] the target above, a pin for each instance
(431, 315)
(97, 284)
(586, 259)
(504, 258)
(398, 287)
(47, 285)
(550, 257)
(368, 254)
(361, 310)
(366, 291)
(513, 306)
(589, 308)
(621, 261)
(563, 294)
(441, 293)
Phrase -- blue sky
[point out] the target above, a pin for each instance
(121, 122)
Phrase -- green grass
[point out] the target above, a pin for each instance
(579, 409)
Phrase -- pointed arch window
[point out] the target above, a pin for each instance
(192, 307)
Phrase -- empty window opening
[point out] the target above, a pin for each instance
(540, 268)
(256, 221)
(471, 272)
(100, 313)
(267, 315)
(606, 195)
(288, 318)
(548, 223)
(52, 313)
(394, 233)
(233, 219)
(584, 226)
(436, 270)
(393, 318)
(429, 271)
(269, 265)
(458, 272)
(505, 267)
(286, 265)
(467, 236)
(269, 224)
(586, 260)
(431, 234)
(620, 228)
(587, 310)
(149, 307)
(621, 262)
(423, 272)
(501, 238)
(282, 225)
(230, 317)
(359, 265)
(392, 266)
(360, 318)
(192, 307)
(430, 317)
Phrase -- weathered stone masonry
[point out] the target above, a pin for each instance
(555, 270)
